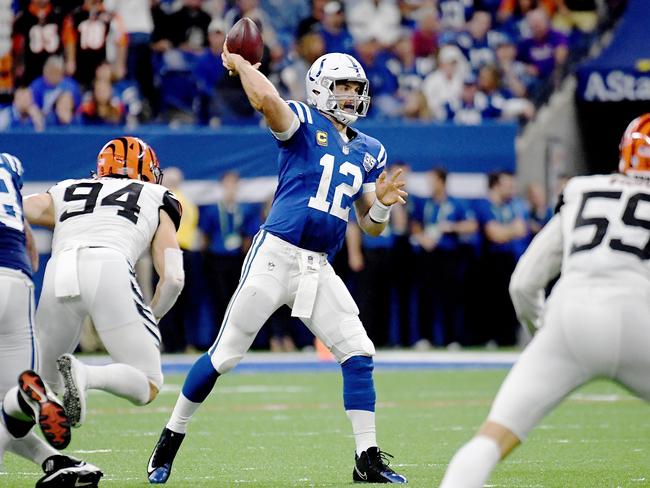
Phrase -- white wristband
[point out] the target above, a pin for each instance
(379, 213)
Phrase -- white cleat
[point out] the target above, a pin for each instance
(74, 380)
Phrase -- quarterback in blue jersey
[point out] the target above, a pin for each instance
(325, 168)
(18, 355)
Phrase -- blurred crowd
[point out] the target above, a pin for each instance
(126, 62)
(427, 281)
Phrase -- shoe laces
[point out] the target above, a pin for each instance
(382, 460)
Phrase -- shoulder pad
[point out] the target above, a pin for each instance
(302, 110)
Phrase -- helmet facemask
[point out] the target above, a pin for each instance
(322, 79)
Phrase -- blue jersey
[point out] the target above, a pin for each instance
(431, 213)
(13, 248)
(320, 178)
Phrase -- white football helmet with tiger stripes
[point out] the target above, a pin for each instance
(321, 80)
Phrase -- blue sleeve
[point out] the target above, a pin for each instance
(381, 159)
(458, 214)
(483, 211)
(206, 219)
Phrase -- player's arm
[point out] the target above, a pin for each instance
(540, 263)
(168, 263)
(32, 252)
(502, 233)
(39, 209)
(261, 93)
(373, 210)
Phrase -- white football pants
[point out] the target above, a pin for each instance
(589, 331)
(110, 295)
(270, 278)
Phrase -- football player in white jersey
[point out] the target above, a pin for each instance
(101, 227)
(32, 402)
(596, 322)
(325, 169)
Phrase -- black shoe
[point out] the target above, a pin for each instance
(47, 409)
(372, 467)
(162, 457)
(68, 472)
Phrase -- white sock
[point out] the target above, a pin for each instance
(363, 428)
(32, 447)
(11, 406)
(119, 379)
(183, 411)
(472, 464)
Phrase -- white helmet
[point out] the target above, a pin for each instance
(321, 80)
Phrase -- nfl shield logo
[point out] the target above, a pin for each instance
(346, 150)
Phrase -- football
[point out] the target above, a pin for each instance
(245, 39)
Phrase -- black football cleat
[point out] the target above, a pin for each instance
(372, 466)
(47, 410)
(68, 472)
(162, 457)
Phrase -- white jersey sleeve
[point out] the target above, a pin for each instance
(606, 227)
(536, 268)
(121, 214)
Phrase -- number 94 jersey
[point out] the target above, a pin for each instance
(606, 227)
(321, 176)
(118, 213)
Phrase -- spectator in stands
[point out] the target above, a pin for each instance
(178, 328)
(335, 33)
(445, 84)
(315, 17)
(125, 90)
(22, 113)
(454, 14)
(227, 227)
(425, 35)
(138, 24)
(514, 76)
(187, 28)
(511, 15)
(503, 104)
(47, 88)
(502, 222)
(410, 73)
(36, 36)
(436, 224)
(383, 83)
(477, 41)
(539, 213)
(86, 32)
(576, 14)
(63, 114)
(209, 72)
(308, 49)
(473, 106)
(545, 53)
(7, 82)
(377, 19)
(101, 106)
(252, 10)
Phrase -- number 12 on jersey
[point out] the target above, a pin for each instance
(319, 202)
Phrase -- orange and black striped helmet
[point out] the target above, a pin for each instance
(635, 146)
(130, 157)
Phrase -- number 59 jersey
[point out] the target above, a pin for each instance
(606, 228)
(117, 213)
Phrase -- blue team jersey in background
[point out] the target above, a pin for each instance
(320, 177)
(13, 252)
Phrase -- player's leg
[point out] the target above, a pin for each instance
(127, 329)
(545, 373)
(18, 353)
(335, 321)
(259, 293)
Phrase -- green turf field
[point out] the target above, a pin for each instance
(283, 430)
